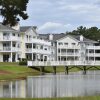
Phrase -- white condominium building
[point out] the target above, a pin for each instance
(23, 43)
(26, 43)
(9, 44)
(74, 48)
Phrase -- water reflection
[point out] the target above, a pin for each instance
(13, 89)
(75, 84)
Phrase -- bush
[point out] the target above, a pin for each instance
(23, 62)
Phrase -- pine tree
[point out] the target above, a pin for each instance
(13, 10)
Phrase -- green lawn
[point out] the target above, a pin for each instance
(14, 71)
(76, 98)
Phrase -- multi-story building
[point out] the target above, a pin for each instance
(74, 48)
(33, 47)
(23, 42)
(9, 44)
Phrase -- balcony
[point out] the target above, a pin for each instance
(68, 47)
(38, 51)
(93, 54)
(8, 49)
(93, 47)
(38, 41)
(9, 38)
(69, 54)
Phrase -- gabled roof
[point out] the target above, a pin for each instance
(25, 28)
(55, 36)
(62, 35)
(6, 28)
(84, 39)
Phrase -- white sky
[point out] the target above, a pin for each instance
(55, 16)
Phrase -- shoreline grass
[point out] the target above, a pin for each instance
(13, 71)
(67, 98)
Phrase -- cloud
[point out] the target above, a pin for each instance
(52, 27)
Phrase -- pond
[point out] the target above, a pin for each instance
(60, 85)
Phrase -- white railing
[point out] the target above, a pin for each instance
(9, 49)
(6, 49)
(93, 47)
(69, 47)
(38, 51)
(9, 38)
(69, 54)
(62, 63)
(38, 41)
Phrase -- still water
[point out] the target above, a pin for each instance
(75, 84)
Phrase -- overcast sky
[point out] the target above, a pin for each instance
(55, 16)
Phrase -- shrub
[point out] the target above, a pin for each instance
(23, 62)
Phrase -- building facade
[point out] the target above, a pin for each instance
(25, 43)
(74, 48)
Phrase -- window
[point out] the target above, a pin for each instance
(18, 45)
(26, 46)
(13, 34)
(30, 37)
(14, 45)
(18, 35)
(58, 50)
(27, 36)
(66, 43)
(45, 58)
(45, 48)
(4, 34)
(73, 43)
(51, 44)
(60, 43)
(41, 47)
(34, 45)
(34, 36)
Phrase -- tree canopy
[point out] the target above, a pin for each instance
(13, 10)
(91, 33)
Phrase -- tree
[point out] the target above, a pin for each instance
(91, 33)
(12, 10)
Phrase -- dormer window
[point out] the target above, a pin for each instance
(60, 43)
(66, 43)
(73, 43)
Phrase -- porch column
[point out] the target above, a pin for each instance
(60, 54)
(16, 57)
(94, 54)
(32, 51)
(11, 53)
(74, 54)
(11, 57)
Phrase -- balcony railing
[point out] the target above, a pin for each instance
(69, 54)
(9, 38)
(69, 47)
(93, 47)
(9, 49)
(38, 51)
(38, 41)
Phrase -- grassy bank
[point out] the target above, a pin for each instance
(9, 71)
(77, 98)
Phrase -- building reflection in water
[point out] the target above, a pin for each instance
(52, 86)
(15, 89)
